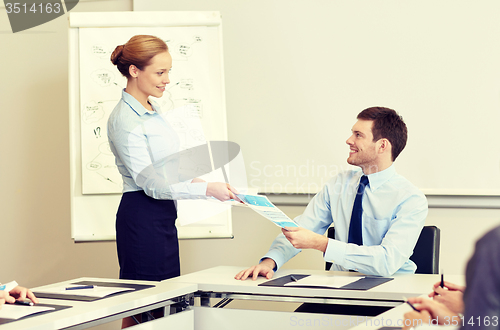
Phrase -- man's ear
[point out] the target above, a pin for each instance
(384, 145)
(133, 71)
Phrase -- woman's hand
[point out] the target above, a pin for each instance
(222, 191)
(21, 293)
(18, 293)
(451, 296)
(429, 312)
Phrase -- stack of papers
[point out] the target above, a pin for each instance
(330, 281)
(96, 291)
(263, 206)
(14, 312)
(8, 286)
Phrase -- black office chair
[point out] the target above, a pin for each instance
(425, 254)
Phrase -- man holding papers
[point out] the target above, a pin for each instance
(377, 213)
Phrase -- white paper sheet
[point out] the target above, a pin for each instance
(263, 206)
(8, 286)
(97, 291)
(327, 281)
(15, 312)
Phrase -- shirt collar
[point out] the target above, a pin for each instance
(136, 105)
(379, 178)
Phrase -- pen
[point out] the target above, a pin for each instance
(442, 280)
(24, 302)
(293, 278)
(80, 287)
(409, 303)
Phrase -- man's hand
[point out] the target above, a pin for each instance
(302, 238)
(265, 268)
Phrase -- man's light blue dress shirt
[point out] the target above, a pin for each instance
(394, 213)
(142, 141)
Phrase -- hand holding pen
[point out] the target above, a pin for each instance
(451, 295)
(424, 310)
(17, 295)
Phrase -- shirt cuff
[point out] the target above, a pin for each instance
(335, 252)
(278, 260)
(198, 189)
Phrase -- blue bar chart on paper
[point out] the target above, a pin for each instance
(263, 206)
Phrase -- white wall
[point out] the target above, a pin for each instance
(34, 164)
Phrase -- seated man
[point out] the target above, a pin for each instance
(377, 235)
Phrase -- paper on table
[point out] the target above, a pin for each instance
(8, 286)
(97, 291)
(15, 312)
(327, 281)
(263, 206)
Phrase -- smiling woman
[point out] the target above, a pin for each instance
(141, 138)
(151, 80)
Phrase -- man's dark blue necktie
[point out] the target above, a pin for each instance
(355, 228)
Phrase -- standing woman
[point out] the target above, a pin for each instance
(141, 139)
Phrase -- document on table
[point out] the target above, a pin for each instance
(8, 286)
(263, 206)
(15, 312)
(325, 281)
(97, 291)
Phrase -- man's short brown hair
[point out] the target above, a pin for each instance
(389, 125)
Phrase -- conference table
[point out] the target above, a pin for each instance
(86, 314)
(202, 301)
(219, 283)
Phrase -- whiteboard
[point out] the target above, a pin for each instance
(186, 102)
(301, 71)
(197, 86)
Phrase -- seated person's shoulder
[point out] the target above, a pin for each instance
(342, 178)
(491, 239)
(405, 187)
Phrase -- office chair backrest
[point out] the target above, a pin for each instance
(425, 254)
(330, 234)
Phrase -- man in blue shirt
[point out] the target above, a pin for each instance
(392, 216)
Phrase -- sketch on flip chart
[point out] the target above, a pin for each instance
(185, 103)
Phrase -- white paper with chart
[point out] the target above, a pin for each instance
(263, 206)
